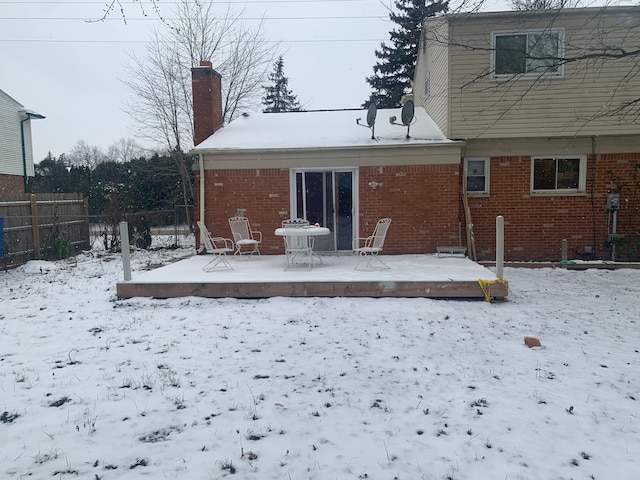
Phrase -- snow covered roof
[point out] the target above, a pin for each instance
(320, 129)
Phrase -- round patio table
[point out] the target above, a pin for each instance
(311, 230)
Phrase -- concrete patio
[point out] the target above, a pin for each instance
(264, 276)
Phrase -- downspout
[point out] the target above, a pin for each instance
(202, 185)
(593, 204)
(24, 151)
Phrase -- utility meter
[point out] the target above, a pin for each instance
(613, 202)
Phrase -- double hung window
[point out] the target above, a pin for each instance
(522, 53)
(476, 171)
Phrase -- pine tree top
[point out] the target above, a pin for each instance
(393, 74)
(278, 97)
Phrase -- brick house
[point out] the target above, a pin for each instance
(546, 103)
(16, 153)
(325, 167)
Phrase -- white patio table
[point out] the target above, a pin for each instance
(311, 231)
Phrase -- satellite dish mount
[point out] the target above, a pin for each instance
(371, 120)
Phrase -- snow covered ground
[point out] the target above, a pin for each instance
(333, 388)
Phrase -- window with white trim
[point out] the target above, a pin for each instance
(530, 52)
(552, 174)
(476, 171)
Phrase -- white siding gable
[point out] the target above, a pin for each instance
(11, 162)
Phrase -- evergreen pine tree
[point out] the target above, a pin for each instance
(393, 73)
(278, 97)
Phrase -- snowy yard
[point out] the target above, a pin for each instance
(334, 388)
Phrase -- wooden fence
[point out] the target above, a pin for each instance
(42, 226)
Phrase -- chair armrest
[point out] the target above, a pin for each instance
(362, 242)
(220, 243)
(259, 234)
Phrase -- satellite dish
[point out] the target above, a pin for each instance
(371, 120)
(407, 113)
(371, 115)
(408, 110)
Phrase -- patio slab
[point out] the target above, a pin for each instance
(264, 276)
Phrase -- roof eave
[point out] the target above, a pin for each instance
(245, 151)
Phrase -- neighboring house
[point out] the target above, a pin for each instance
(16, 153)
(325, 167)
(547, 105)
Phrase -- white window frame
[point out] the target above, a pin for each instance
(582, 176)
(487, 162)
(527, 75)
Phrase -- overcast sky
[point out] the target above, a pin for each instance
(56, 63)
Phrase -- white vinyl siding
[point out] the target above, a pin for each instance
(432, 75)
(10, 141)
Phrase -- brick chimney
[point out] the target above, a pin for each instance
(207, 101)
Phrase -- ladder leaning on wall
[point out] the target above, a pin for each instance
(471, 241)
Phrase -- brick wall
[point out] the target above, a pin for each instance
(263, 193)
(11, 184)
(422, 201)
(536, 225)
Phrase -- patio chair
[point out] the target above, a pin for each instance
(297, 242)
(368, 248)
(216, 246)
(246, 240)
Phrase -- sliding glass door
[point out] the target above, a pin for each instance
(327, 197)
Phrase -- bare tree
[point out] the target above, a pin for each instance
(543, 4)
(160, 81)
(124, 150)
(83, 154)
(111, 6)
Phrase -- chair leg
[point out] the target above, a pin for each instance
(366, 263)
(218, 263)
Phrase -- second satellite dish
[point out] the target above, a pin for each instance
(408, 111)
(407, 115)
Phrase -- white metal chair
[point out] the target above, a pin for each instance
(368, 248)
(243, 236)
(217, 246)
(297, 242)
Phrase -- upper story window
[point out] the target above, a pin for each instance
(530, 52)
(476, 171)
(558, 174)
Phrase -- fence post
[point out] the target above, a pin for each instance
(126, 255)
(499, 246)
(87, 230)
(35, 224)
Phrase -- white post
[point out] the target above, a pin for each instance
(499, 245)
(124, 244)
